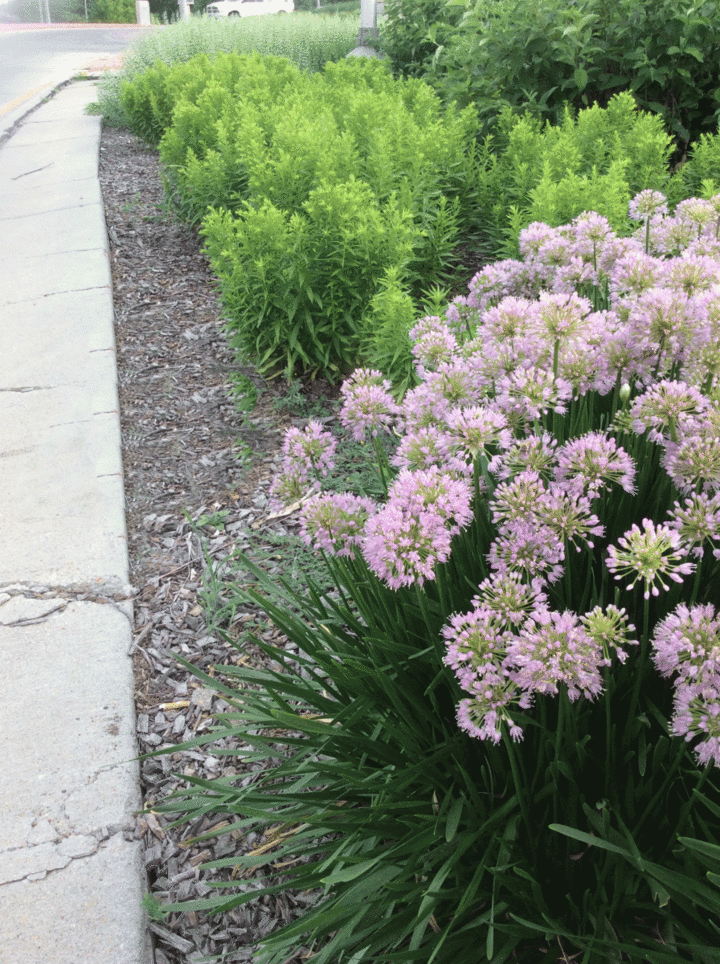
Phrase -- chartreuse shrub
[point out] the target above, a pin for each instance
(289, 131)
(353, 172)
(306, 40)
(295, 286)
(593, 161)
(540, 54)
(501, 737)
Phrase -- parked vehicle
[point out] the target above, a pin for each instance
(248, 8)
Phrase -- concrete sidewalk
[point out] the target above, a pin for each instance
(70, 883)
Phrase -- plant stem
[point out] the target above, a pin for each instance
(519, 791)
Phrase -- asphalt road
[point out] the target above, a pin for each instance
(32, 59)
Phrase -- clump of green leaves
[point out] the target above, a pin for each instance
(595, 160)
(295, 286)
(310, 188)
(540, 54)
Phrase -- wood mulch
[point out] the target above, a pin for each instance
(189, 457)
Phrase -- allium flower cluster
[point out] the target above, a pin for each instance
(555, 648)
(697, 522)
(664, 406)
(407, 538)
(686, 645)
(311, 450)
(307, 455)
(368, 405)
(598, 461)
(335, 522)
(525, 393)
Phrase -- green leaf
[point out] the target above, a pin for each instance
(587, 839)
(580, 76)
(453, 819)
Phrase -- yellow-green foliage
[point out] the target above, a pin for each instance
(306, 40)
(596, 160)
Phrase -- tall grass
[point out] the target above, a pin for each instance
(307, 40)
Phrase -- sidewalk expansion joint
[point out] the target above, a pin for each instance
(23, 604)
(53, 294)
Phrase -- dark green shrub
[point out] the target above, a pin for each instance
(413, 30)
(112, 11)
(538, 54)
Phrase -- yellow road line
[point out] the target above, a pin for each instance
(23, 97)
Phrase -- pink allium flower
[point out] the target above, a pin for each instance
(568, 278)
(475, 648)
(532, 239)
(697, 521)
(368, 406)
(460, 382)
(476, 429)
(647, 204)
(433, 347)
(609, 628)
(693, 462)
(687, 642)
(691, 274)
(554, 648)
(291, 486)
(697, 713)
(534, 452)
(664, 406)
(434, 490)
(696, 212)
(530, 549)
(421, 448)
(335, 522)
(664, 320)
(404, 549)
(598, 461)
(498, 280)
(670, 236)
(517, 500)
(568, 514)
(562, 316)
(634, 273)
(509, 319)
(311, 450)
(531, 393)
(649, 556)
(509, 599)
(485, 724)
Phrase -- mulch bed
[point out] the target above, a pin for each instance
(188, 455)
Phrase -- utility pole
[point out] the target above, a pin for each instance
(47, 7)
(42, 12)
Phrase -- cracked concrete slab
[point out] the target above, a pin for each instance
(31, 332)
(17, 610)
(65, 271)
(70, 883)
(32, 166)
(72, 686)
(87, 912)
